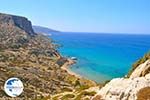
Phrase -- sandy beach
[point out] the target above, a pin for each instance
(67, 65)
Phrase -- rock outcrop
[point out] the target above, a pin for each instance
(17, 21)
(141, 70)
(127, 88)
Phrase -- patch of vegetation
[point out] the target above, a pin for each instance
(15, 46)
(71, 79)
(140, 61)
(65, 89)
(68, 97)
(3, 58)
(82, 87)
(61, 61)
(56, 97)
(85, 93)
(86, 98)
(22, 40)
(107, 81)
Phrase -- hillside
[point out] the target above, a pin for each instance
(34, 59)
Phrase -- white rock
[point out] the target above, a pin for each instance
(140, 69)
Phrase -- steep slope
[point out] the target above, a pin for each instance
(33, 58)
(135, 87)
(21, 22)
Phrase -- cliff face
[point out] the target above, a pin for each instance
(21, 22)
(135, 87)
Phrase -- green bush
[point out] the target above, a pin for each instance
(85, 93)
(67, 97)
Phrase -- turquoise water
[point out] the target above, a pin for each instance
(102, 57)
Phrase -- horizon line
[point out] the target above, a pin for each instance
(104, 32)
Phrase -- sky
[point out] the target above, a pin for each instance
(100, 16)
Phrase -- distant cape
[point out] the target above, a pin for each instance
(44, 30)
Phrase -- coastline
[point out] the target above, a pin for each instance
(66, 66)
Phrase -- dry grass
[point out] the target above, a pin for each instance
(137, 63)
(144, 94)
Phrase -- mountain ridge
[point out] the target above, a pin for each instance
(43, 30)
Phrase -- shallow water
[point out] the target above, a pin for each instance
(102, 56)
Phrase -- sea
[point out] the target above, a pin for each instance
(102, 56)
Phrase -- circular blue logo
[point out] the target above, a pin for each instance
(13, 87)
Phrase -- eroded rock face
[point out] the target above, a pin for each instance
(141, 70)
(127, 88)
(21, 22)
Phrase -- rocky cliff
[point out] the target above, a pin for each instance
(34, 59)
(135, 87)
(17, 21)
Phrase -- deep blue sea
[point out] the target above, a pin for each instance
(102, 57)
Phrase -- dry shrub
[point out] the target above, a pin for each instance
(144, 94)
(97, 97)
